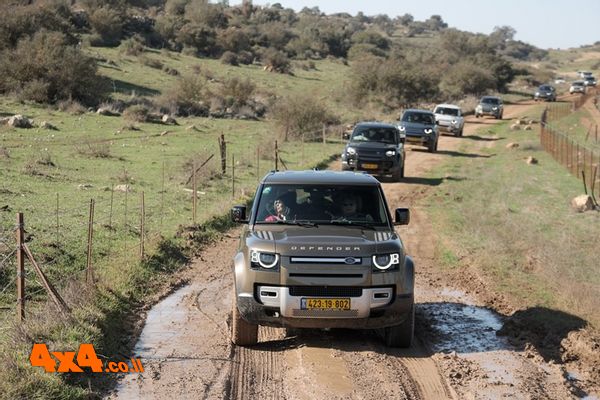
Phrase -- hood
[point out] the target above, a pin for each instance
(324, 241)
(372, 146)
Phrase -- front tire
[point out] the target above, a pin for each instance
(243, 333)
(401, 335)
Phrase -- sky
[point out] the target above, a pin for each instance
(543, 23)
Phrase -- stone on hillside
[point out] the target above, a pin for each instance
(84, 186)
(582, 203)
(519, 122)
(512, 145)
(515, 127)
(4, 121)
(531, 160)
(527, 128)
(164, 133)
(107, 112)
(122, 188)
(167, 119)
(48, 125)
(19, 121)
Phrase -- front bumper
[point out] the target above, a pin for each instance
(369, 311)
(378, 167)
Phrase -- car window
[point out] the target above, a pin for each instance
(322, 204)
(374, 134)
(418, 118)
(490, 100)
(446, 111)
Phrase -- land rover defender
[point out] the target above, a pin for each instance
(318, 250)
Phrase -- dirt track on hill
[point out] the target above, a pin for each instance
(186, 350)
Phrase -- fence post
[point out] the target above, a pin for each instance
(324, 139)
(142, 228)
(89, 276)
(20, 270)
(223, 150)
(57, 222)
(257, 163)
(232, 176)
(276, 156)
(162, 196)
(194, 194)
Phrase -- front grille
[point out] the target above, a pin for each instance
(325, 291)
(325, 313)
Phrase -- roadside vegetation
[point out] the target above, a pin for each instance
(512, 223)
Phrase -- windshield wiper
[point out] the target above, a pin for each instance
(307, 224)
(351, 223)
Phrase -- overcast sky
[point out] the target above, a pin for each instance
(543, 23)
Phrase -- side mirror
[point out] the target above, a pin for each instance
(402, 216)
(402, 137)
(238, 214)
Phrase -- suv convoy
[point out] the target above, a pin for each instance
(419, 127)
(449, 118)
(490, 105)
(545, 92)
(377, 148)
(319, 250)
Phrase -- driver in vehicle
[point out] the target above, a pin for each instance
(350, 206)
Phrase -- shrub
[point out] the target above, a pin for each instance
(132, 47)
(240, 91)
(229, 58)
(151, 62)
(96, 150)
(189, 97)
(107, 23)
(45, 68)
(466, 78)
(276, 61)
(245, 57)
(302, 116)
(136, 113)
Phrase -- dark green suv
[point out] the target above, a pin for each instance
(319, 250)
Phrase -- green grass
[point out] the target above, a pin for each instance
(512, 221)
(42, 173)
(579, 126)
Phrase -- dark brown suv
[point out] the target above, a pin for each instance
(319, 250)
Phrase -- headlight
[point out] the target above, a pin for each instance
(351, 151)
(454, 122)
(402, 128)
(428, 130)
(537, 93)
(494, 108)
(390, 153)
(479, 107)
(386, 261)
(264, 260)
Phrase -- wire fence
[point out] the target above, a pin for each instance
(63, 242)
(580, 159)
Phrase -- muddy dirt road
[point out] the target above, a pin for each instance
(457, 355)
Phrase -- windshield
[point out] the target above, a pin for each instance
(446, 111)
(490, 100)
(321, 204)
(578, 83)
(374, 134)
(418, 118)
(546, 88)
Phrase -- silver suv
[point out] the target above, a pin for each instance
(319, 250)
(490, 105)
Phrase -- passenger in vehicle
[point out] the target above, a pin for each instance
(318, 206)
(282, 210)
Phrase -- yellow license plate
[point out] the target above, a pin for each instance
(325, 304)
(369, 166)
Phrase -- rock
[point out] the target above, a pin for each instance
(19, 121)
(122, 188)
(48, 125)
(167, 119)
(164, 133)
(84, 186)
(527, 128)
(515, 127)
(531, 160)
(512, 145)
(107, 112)
(4, 121)
(191, 128)
(531, 122)
(519, 122)
(582, 203)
